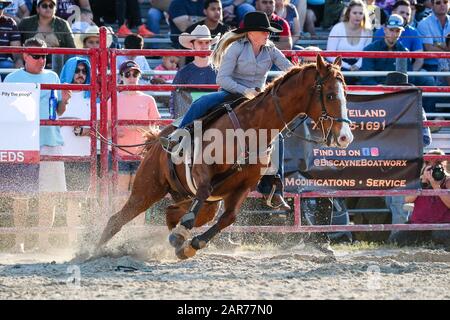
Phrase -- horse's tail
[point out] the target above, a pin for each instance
(151, 137)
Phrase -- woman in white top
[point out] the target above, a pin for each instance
(352, 34)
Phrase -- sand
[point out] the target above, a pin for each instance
(146, 268)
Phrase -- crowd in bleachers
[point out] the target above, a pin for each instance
(355, 25)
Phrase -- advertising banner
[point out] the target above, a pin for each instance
(386, 152)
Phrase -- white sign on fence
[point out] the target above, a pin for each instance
(19, 123)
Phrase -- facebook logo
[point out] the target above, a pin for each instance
(366, 152)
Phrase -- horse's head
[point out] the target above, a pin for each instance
(328, 106)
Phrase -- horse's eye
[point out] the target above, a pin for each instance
(330, 96)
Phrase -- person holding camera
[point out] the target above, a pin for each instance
(429, 209)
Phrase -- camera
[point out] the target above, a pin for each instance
(438, 172)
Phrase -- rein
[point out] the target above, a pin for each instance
(100, 137)
(318, 88)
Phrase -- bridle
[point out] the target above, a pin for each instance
(317, 88)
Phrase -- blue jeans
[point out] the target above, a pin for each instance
(427, 102)
(266, 182)
(202, 105)
(154, 17)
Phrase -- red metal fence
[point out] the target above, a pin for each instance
(104, 86)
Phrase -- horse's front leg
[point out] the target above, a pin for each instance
(182, 232)
(232, 205)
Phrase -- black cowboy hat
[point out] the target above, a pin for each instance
(397, 79)
(257, 21)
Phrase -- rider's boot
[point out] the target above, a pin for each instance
(276, 200)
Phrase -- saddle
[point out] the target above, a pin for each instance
(218, 110)
(232, 101)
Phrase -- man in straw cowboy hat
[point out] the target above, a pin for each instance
(243, 58)
(90, 38)
(200, 71)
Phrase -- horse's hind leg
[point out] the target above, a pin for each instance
(232, 204)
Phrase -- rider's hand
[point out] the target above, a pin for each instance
(250, 93)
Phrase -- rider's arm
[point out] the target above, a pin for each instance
(280, 60)
(227, 67)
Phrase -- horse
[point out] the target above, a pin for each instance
(316, 90)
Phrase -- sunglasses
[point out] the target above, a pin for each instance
(83, 71)
(4, 5)
(135, 74)
(439, 2)
(38, 56)
(47, 6)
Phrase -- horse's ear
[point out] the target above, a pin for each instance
(338, 61)
(320, 64)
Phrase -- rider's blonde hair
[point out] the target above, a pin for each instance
(224, 43)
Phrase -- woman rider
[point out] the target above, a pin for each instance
(243, 59)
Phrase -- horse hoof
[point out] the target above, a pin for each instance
(176, 240)
(178, 236)
(185, 251)
(198, 244)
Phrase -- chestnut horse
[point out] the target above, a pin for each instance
(316, 90)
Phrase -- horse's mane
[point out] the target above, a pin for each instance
(296, 69)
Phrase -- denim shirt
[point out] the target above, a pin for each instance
(380, 64)
(240, 69)
(431, 29)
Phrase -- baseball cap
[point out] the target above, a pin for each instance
(39, 2)
(128, 65)
(395, 21)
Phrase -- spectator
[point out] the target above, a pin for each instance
(200, 71)
(235, 10)
(158, 11)
(77, 142)
(301, 6)
(90, 38)
(66, 9)
(45, 25)
(377, 16)
(392, 30)
(169, 63)
(434, 28)
(444, 65)
(131, 10)
(131, 105)
(83, 22)
(9, 36)
(135, 41)
(213, 20)
(287, 11)
(241, 72)
(353, 34)
(314, 15)
(386, 5)
(429, 209)
(411, 40)
(51, 174)
(104, 12)
(424, 8)
(283, 40)
(183, 14)
(17, 10)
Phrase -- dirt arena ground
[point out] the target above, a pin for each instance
(146, 268)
